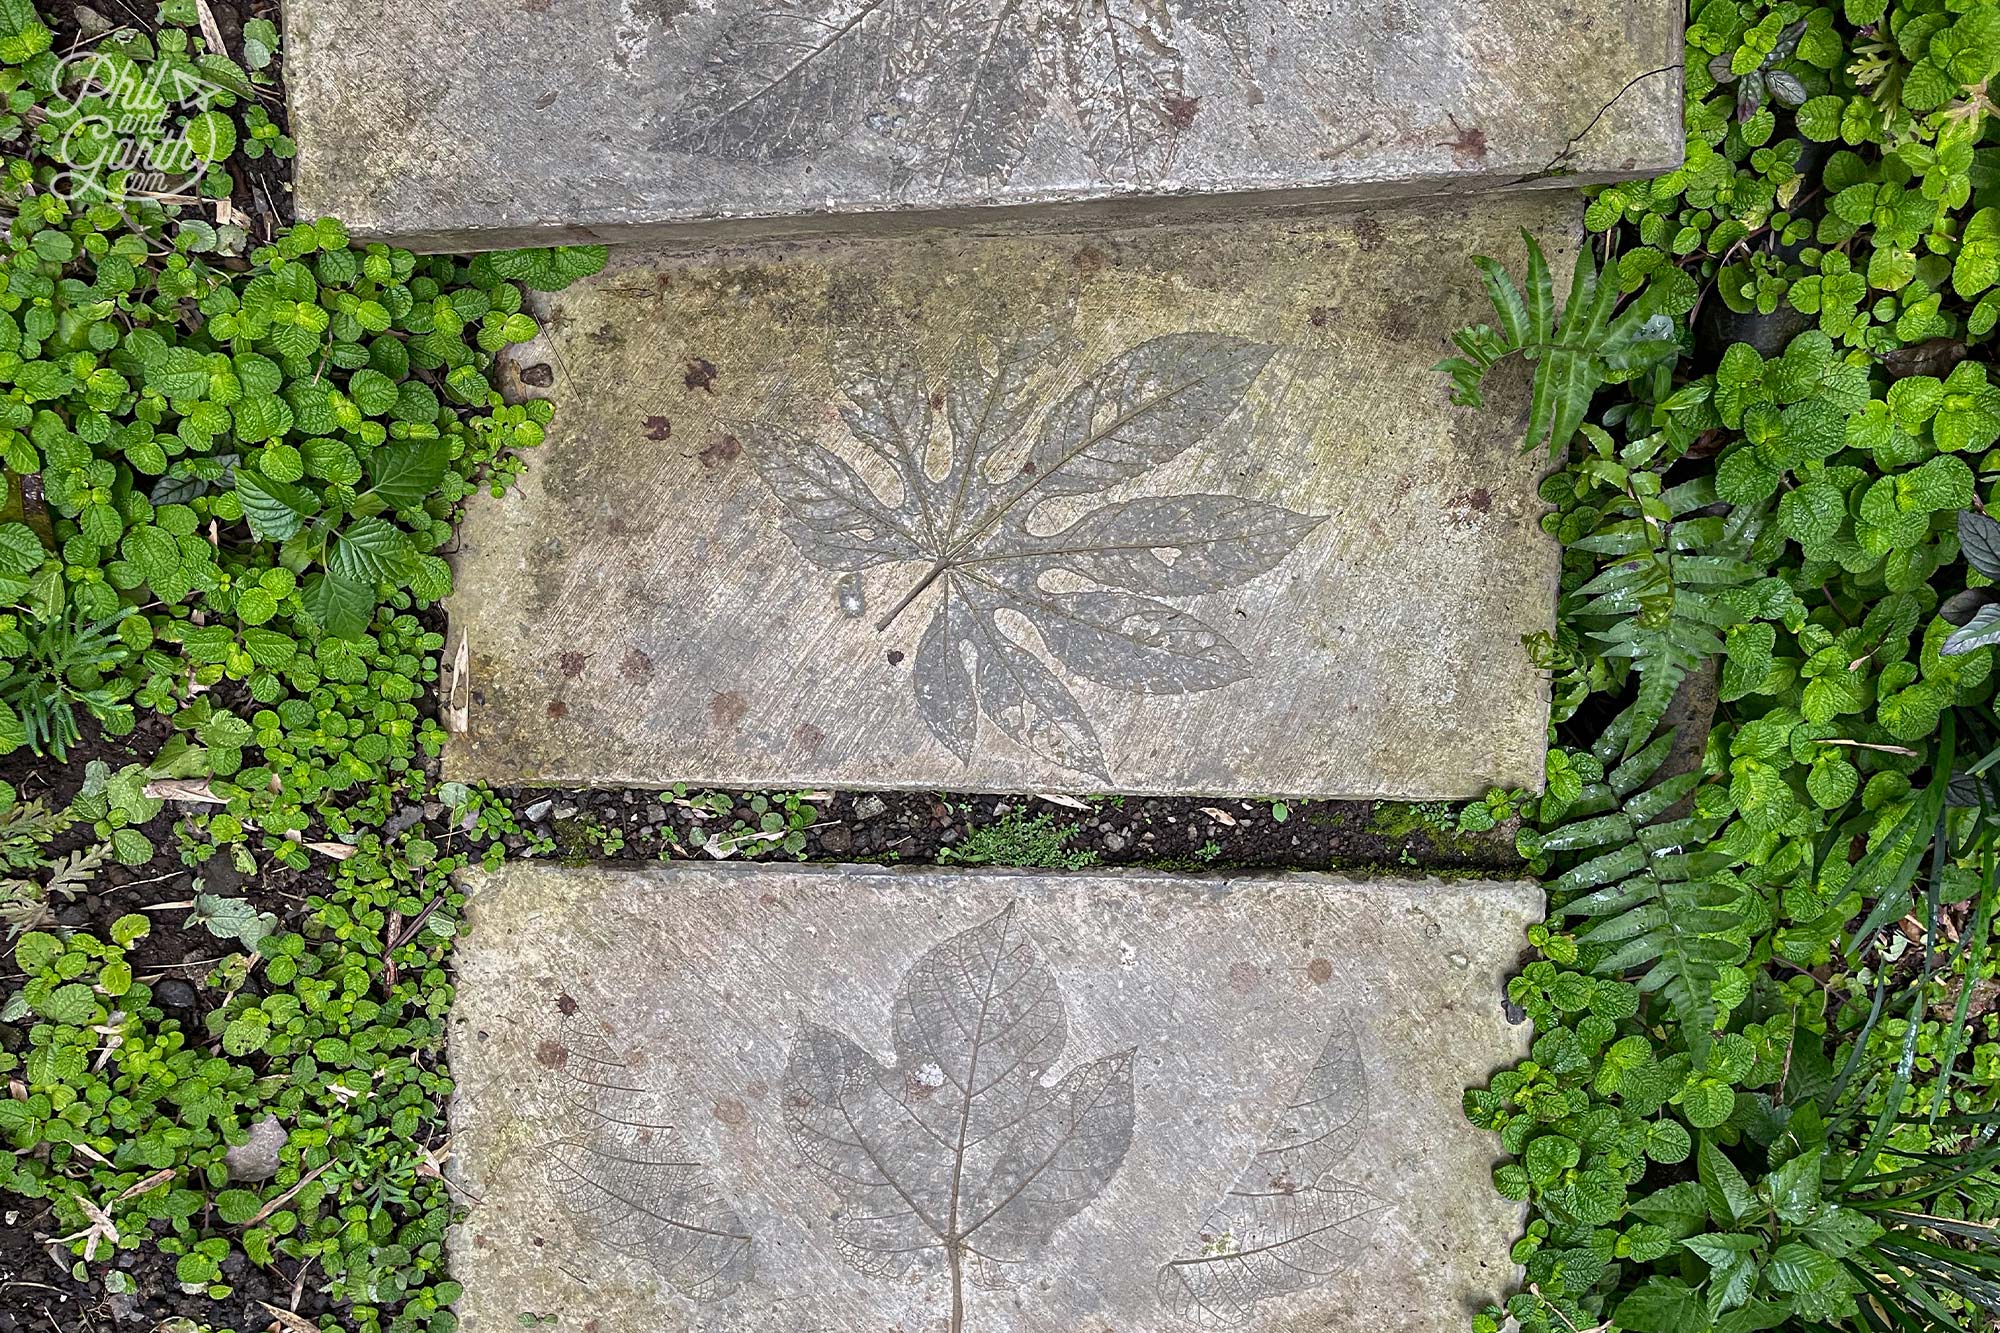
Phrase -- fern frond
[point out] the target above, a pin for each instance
(1668, 918)
(27, 827)
(1664, 608)
(1572, 355)
(1484, 347)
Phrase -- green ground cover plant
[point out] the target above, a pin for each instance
(233, 451)
(1762, 1093)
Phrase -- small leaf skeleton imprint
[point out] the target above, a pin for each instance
(629, 1179)
(960, 1157)
(959, 89)
(1283, 1226)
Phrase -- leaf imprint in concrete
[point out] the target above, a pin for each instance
(853, 1099)
(1285, 1225)
(633, 1184)
(972, 81)
(959, 1155)
(972, 536)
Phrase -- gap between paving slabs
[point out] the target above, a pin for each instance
(1187, 834)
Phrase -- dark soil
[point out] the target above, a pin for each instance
(1169, 833)
(37, 1292)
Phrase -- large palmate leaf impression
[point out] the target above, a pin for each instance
(973, 465)
(958, 88)
(967, 1155)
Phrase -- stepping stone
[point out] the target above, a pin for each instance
(1149, 512)
(844, 1099)
(477, 123)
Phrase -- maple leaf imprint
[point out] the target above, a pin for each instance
(1284, 1225)
(1137, 411)
(959, 88)
(959, 1155)
(630, 1181)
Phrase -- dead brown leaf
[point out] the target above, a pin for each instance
(184, 789)
(210, 32)
(134, 1190)
(285, 1198)
(457, 705)
(288, 1321)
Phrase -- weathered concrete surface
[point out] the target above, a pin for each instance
(734, 1097)
(1279, 562)
(469, 123)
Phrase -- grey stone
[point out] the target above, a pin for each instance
(498, 124)
(868, 807)
(846, 1099)
(1144, 512)
(258, 1157)
(535, 813)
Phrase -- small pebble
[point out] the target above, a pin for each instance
(539, 811)
(257, 1159)
(870, 807)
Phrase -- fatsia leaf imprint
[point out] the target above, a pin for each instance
(628, 1178)
(959, 89)
(1283, 1226)
(994, 571)
(961, 1155)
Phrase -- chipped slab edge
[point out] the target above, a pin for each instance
(1503, 900)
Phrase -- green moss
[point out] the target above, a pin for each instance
(1435, 820)
(1018, 840)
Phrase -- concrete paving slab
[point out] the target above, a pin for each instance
(846, 1099)
(1176, 513)
(461, 124)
